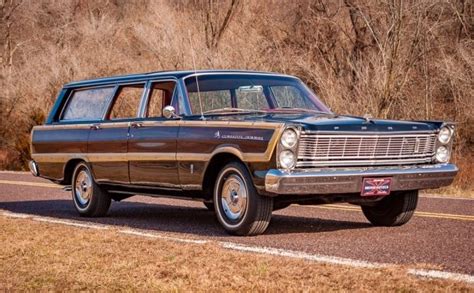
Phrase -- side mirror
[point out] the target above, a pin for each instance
(169, 112)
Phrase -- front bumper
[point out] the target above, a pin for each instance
(349, 180)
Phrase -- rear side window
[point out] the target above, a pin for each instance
(127, 102)
(88, 104)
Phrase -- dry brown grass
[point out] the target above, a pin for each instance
(393, 59)
(40, 256)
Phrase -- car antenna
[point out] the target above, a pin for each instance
(195, 75)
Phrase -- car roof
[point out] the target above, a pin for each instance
(162, 74)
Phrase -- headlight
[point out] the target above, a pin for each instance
(442, 154)
(444, 135)
(289, 138)
(287, 159)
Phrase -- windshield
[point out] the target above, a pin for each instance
(252, 93)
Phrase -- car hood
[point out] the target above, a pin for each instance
(324, 122)
(354, 123)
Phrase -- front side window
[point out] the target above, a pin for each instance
(161, 94)
(87, 104)
(126, 102)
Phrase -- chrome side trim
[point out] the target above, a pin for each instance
(164, 122)
(349, 180)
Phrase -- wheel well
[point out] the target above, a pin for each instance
(213, 168)
(69, 169)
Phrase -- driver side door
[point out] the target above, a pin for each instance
(152, 141)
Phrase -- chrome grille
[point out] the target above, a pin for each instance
(317, 149)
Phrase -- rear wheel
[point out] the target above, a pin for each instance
(393, 210)
(239, 208)
(89, 199)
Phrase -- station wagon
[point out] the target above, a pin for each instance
(245, 143)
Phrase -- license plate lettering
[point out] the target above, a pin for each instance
(376, 186)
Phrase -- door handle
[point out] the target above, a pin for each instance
(137, 124)
(95, 126)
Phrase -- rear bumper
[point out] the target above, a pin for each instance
(349, 180)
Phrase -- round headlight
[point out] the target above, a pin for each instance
(289, 138)
(444, 135)
(287, 159)
(442, 154)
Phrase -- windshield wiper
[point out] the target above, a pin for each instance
(233, 110)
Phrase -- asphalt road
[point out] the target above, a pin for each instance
(440, 235)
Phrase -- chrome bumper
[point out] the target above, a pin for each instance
(349, 180)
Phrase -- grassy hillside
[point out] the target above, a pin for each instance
(392, 59)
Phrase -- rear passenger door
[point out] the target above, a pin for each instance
(152, 141)
(107, 144)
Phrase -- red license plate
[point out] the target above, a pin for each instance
(376, 186)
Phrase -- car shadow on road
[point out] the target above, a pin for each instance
(174, 218)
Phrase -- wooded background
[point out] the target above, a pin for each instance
(390, 58)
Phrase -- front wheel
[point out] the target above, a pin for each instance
(393, 210)
(89, 199)
(239, 208)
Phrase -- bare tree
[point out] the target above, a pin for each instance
(7, 15)
(214, 27)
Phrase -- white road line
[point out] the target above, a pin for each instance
(306, 256)
(254, 249)
(54, 221)
(441, 275)
(158, 236)
(16, 215)
(70, 223)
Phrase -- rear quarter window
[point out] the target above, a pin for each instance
(87, 104)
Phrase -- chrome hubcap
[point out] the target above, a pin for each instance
(83, 187)
(234, 197)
